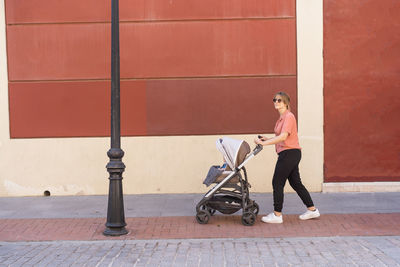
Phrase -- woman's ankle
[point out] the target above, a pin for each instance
(278, 213)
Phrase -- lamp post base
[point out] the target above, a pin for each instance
(115, 231)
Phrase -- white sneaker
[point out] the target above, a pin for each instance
(272, 218)
(309, 215)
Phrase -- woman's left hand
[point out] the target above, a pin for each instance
(257, 141)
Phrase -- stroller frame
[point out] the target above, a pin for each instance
(208, 204)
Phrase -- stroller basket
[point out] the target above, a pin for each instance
(225, 204)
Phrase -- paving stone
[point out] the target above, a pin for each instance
(346, 251)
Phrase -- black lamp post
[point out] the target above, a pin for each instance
(115, 213)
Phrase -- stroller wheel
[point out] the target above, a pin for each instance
(248, 218)
(255, 208)
(210, 210)
(203, 216)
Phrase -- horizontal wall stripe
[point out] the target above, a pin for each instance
(162, 107)
(74, 109)
(151, 21)
(160, 78)
(133, 108)
(217, 48)
(361, 90)
(377, 178)
(226, 106)
(53, 52)
(66, 11)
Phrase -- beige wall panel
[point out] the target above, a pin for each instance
(62, 166)
(76, 166)
(310, 91)
(153, 165)
(4, 123)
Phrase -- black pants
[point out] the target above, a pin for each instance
(287, 167)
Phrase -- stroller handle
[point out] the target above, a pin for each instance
(257, 149)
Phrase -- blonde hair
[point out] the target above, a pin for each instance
(285, 98)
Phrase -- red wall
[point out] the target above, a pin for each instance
(187, 66)
(362, 90)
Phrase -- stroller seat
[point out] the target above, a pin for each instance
(225, 174)
(244, 150)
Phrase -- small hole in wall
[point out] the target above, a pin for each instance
(46, 193)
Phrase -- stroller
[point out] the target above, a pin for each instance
(231, 192)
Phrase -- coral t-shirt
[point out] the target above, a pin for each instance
(287, 123)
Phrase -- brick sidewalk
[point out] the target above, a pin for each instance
(186, 227)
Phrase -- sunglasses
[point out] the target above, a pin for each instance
(277, 100)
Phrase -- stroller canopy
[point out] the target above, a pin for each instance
(234, 151)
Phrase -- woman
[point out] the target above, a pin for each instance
(287, 167)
